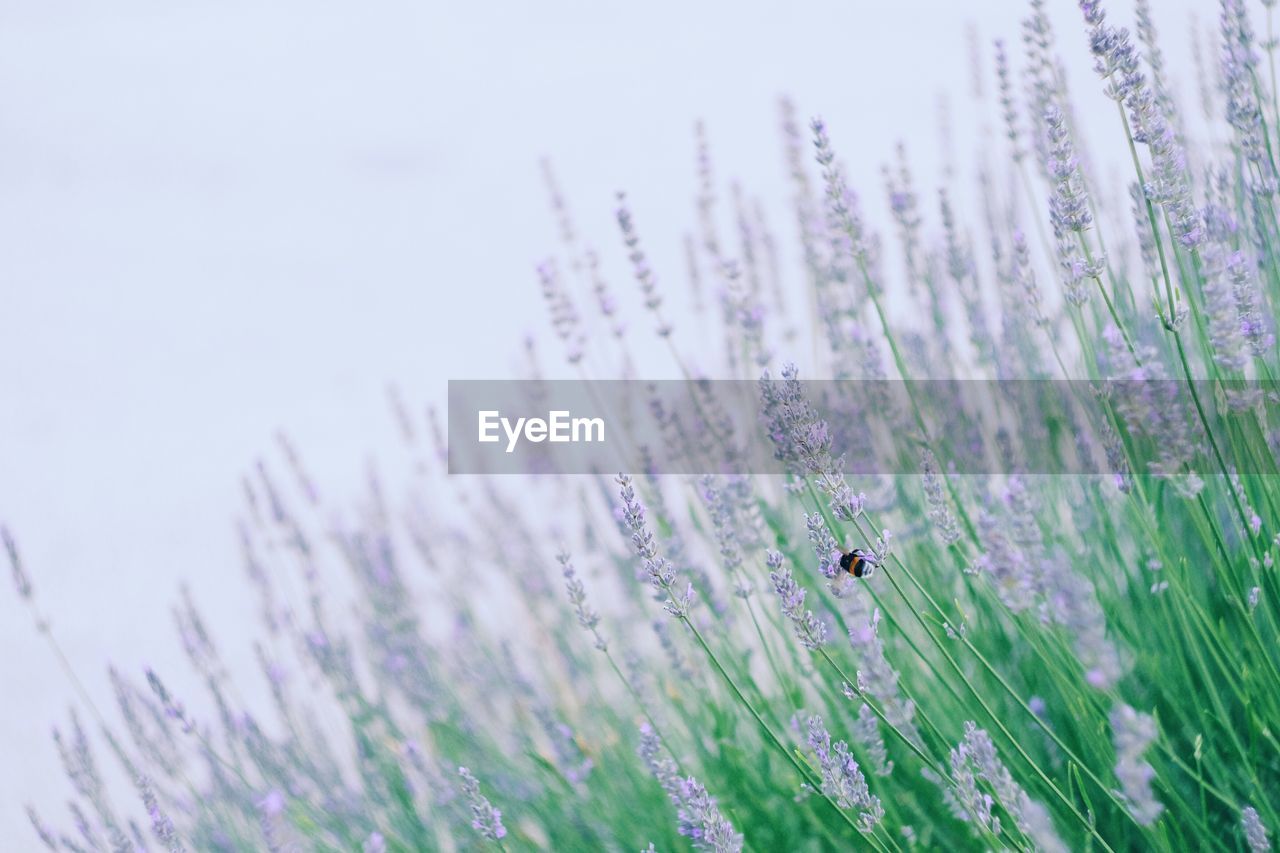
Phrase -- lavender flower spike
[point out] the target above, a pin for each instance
(876, 675)
(809, 628)
(1068, 205)
(661, 573)
(866, 732)
(640, 264)
(1244, 113)
(1254, 832)
(803, 440)
(939, 514)
(975, 758)
(172, 708)
(20, 580)
(1226, 329)
(588, 618)
(842, 214)
(1168, 184)
(842, 779)
(1008, 103)
(699, 817)
(485, 819)
(824, 546)
(1133, 732)
(166, 833)
(42, 829)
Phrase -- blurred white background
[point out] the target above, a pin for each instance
(220, 220)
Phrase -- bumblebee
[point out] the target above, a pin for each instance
(858, 563)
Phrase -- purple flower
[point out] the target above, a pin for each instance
(699, 818)
(1068, 204)
(661, 573)
(1254, 832)
(165, 832)
(876, 676)
(939, 514)
(588, 618)
(842, 779)
(824, 546)
(726, 533)
(1226, 329)
(866, 732)
(802, 440)
(485, 819)
(975, 759)
(1133, 732)
(565, 320)
(273, 803)
(810, 630)
(1239, 83)
(172, 708)
(640, 264)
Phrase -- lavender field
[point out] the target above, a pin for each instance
(1073, 649)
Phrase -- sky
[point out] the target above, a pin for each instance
(224, 220)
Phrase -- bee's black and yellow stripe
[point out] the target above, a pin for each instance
(854, 564)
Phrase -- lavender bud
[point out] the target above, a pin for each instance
(842, 215)
(939, 514)
(588, 618)
(842, 779)
(1244, 290)
(1133, 733)
(876, 677)
(661, 573)
(1226, 331)
(20, 580)
(172, 708)
(1254, 832)
(867, 732)
(975, 758)
(42, 829)
(485, 819)
(640, 264)
(824, 546)
(1008, 103)
(810, 630)
(166, 833)
(564, 316)
(1068, 204)
(699, 818)
(1239, 83)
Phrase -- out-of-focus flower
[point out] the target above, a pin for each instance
(1133, 732)
(485, 819)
